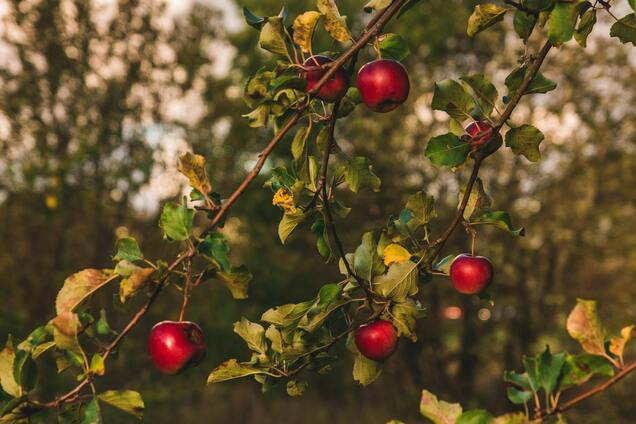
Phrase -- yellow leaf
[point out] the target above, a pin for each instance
(193, 167)
(394, 253)
(335, 24)
(617, 344)
(131, 285)
(304, 26)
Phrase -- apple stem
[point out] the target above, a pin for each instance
(472, 247)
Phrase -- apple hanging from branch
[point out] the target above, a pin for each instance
(176, 345)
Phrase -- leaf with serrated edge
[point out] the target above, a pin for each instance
(525, 140)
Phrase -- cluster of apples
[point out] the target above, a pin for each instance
(469, 275)
(383, 83)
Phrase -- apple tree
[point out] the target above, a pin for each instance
(302, 95)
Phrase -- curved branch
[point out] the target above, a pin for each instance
(627, 369)
(532, 71)
(374, 27)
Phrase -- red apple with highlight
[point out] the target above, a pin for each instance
(174, 346)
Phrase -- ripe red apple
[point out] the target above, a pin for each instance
(479, 132)
(335, 87)
(383, 84)
(471, 274)
(377, 340)
(174, 346)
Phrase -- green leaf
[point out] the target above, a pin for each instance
(253, 334)
(25, 371)
(296, 388)
(524, 24)
(232, 369)
(447, 150)
(518, 397)
(550, 366)
(484, 92)
(625, 29)
(288, 224)
(7, 379)
(499, 219)
(393, 46)
(329, 294)
(102, 326)
(443, 265)
(478, 201)
(439, 411)
(298, 143)
(365, 257)
(253, 20)
(521, 380)
(272, 36)
(127, 249)
(539, 83)
(525, 140)
(359, 174)
(584, 326)
(365, 370)
(475, 416)
(398, 283)
(579, 369)
(422, 206)
(632, 3)
(531, 364)
(92, 413)
(77, 288)
(193, 167)
(176, 221)
(237, 281)
(449, 96)
(36, 338)
(215, 246)
(97, 364)
(484, 16)
(404, 316)
(287, 315)
(586, 24)
(128, 401)
(562, 21)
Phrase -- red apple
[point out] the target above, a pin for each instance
(377, 340)
(471, 274)
(174, 346)
(479, 132)
(383, 84)
(335, 87)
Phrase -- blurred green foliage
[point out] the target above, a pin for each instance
(82, 108)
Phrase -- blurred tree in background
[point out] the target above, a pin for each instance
(97, 98)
